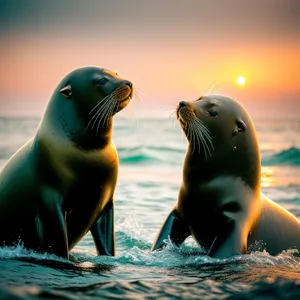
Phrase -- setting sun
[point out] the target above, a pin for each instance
(241, 80)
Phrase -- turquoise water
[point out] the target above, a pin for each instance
(151, 154)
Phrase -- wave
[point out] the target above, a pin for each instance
(289, 156)
(154, 155)
(162, 289)
(150, 155)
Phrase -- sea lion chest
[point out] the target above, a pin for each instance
(206, 206)
(92, 179)
(83, 179)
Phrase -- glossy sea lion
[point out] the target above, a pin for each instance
(61, 183)
(220, 202)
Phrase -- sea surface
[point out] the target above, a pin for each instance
(151, 153)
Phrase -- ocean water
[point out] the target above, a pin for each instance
(151, 154)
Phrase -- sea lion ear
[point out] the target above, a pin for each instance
(240, 127)
(66, 91)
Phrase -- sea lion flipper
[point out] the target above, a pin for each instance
(173, 228)
(52, 226)
(103, 231)
(228, 242)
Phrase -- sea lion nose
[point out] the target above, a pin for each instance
(128, 83)
(183, 104)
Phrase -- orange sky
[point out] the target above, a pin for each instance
(169, 55)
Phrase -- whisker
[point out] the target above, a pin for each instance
(111, 111)
(188, 134)
(103, 100)
(203, 127)
(173, 119)
(203, 140)
(95, 121)
(203, 137)
(105, 118)
(191, 135)
(106, 114)
(217, 87)
(101, 113)
(96, 115)
(205, 148)
(207, 134)
(196, 137)
(203, 143)
(202, 124)
(172, 114)
(138, 95)
(210, 87)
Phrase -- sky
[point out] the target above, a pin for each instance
(171, 50)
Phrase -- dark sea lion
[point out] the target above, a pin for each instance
(220, 202)
(61, 183)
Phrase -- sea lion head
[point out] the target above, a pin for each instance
(96, 92)
(222, 138)
(85, 101)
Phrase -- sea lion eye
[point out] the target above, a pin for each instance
(102, 81)
(213, 112)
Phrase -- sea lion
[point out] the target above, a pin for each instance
(220, 201)
(61, 183)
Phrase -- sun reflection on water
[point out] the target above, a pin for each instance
(267, 177)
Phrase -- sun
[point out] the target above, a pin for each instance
(241, 80)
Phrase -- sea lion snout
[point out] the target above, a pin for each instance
(124, 92)
(128, 83)
(183, 104)
(185, 112)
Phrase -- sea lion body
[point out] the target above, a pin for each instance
(220, 202)
(61, 183)
(277, 229)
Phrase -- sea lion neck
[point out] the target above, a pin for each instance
(66, 122)
(199, 169)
